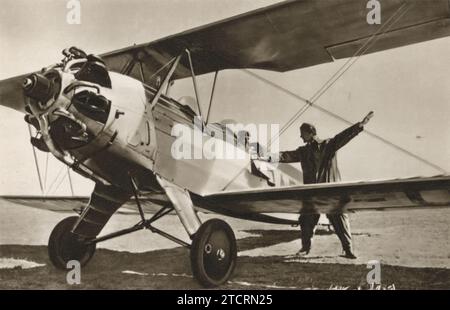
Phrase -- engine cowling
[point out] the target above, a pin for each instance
(80, 109)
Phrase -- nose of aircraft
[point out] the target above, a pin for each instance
(38, 87)
(12, 94)
(27, 83)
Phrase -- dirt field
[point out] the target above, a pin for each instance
(412, 246)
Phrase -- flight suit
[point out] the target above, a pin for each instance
(319, 165)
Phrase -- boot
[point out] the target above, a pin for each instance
(303, 251)
(349, 254)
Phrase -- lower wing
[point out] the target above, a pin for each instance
(330, 197)
(265, 204)
(79, 203)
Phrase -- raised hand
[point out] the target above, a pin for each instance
(367, 118)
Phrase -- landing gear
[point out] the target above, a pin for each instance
(64, 246)
(213, 253)
(213, 250)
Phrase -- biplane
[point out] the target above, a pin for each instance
(109, 118)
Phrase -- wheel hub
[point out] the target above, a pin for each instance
(220, 254)
(208, 248)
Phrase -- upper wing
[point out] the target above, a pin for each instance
(289, 35)
(285, 36)
(329, 197)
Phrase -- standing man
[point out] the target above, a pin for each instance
(319, 165)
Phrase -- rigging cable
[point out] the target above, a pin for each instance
(355, 57)
(322, 90)
(61, 181)
(162, 68)
(70, 181)
(330, 82)
(46, 170)
(36, 162)
(309, 103)
(56, 178)
(336, 116)
(344, 68)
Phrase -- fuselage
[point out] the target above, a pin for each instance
(103, 125)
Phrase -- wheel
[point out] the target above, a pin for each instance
(64, 246)
(213, 253)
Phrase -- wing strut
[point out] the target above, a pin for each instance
(128, 67)
(194, 80)
(212, 97)
(166, 81)
(141, 71)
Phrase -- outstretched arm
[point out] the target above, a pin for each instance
(345, 136)
(284, 157)
(294, 156)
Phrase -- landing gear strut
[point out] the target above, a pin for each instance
(213, 250)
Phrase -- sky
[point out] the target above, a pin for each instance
(407, 88)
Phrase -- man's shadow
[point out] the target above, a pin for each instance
(271, 237)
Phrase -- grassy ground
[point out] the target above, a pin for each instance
(412, 245)
(170, 269)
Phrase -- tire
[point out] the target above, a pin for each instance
(213, 253)
(64, 246)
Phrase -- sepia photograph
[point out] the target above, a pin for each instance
(249, 145)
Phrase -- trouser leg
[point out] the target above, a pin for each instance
(307, 223)
(341, 226)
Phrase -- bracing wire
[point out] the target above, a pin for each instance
(36, 162)
(329, 83)
(55, 180)
(70, 181)
(351, 61)
(162, 68)
(319, 93)
(60, 182)
(344, 68)
(46, 171)
(378, 137)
